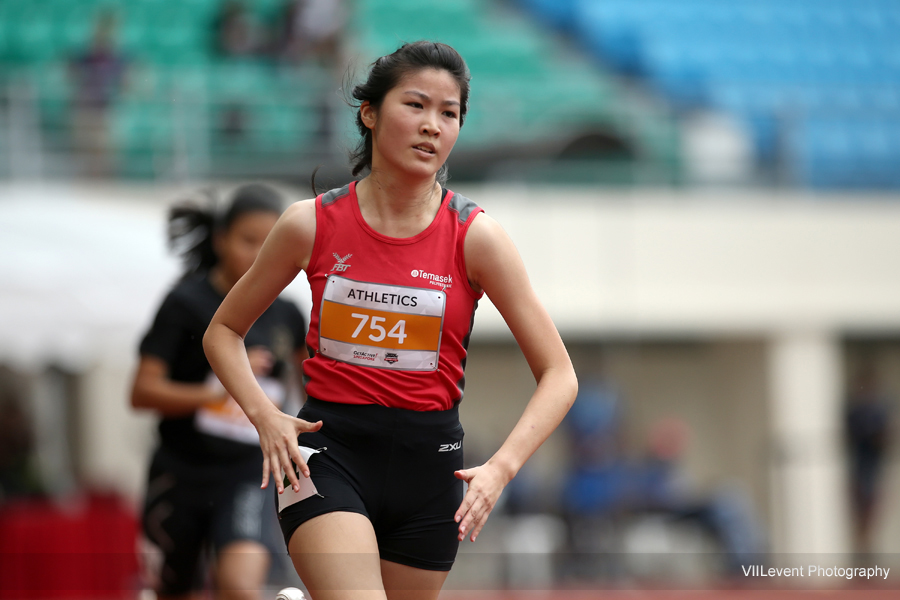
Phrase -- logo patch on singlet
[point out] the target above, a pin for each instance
(450, 447)
(339, 266)
(377, 325)
(441, 281)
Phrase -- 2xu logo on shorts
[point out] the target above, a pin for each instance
(450, 447)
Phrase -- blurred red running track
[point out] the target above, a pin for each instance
(673, 595)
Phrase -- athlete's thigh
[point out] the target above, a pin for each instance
(402, 582)
(336, 556)
(241, 569)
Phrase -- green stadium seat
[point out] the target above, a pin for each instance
(235, 80)
(75, 27)
(53, 86)
(142, 125)
(282, 126)
(190, 81)
(34, 39)
(6, 44)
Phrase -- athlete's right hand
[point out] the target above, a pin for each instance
(278, 440)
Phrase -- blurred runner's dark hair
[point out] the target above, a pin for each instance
(192, 226)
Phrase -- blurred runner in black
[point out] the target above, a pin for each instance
(203, 492)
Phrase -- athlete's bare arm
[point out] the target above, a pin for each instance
(286, 251)
(494, 265)
(152, 389)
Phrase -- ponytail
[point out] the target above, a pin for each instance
(192, 225)
(190, 234)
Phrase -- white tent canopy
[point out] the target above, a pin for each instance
(84, 271)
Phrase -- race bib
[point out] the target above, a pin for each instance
(377, 325)
(227, 420)
(307, 487)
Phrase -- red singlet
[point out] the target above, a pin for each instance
(391, 317)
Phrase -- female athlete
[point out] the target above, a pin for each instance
(396, 264)
(202, 491)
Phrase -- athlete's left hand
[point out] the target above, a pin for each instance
(485, 485)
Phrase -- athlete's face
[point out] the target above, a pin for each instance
(417, 123)
(238, 246)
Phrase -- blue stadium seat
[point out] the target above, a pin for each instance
(822, 63)
(848, 152)
(559, 13)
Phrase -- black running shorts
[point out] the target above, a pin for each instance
(191, 511)
(394, 466)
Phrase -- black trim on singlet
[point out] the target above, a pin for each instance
(461, 384)
(462, 206)
(332, 196)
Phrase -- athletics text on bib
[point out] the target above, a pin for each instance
(377, 325)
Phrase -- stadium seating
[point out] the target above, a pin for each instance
(799, 74)
(174, 78)
(525, 91)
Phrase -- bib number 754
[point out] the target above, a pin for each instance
(398, 331)
(381, 326)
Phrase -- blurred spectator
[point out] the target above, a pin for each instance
(310, 29)
(235, 33)
(605, 490)
(18, 476)
(594, 427)
(660, 482)
(593, 494)
(98, 77)
(868, 421)
(15, 448)
(660, 485)
(233, 123)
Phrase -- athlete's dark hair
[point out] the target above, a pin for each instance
(386, 73)
(193, 224)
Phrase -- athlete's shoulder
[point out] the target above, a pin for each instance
(300, 210)
(299, 221)
(485, 231)
(462, 207)
(490, 252)
(303, 213)
(331, 197)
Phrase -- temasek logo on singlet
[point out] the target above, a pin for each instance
(377, 325)
(442, 281)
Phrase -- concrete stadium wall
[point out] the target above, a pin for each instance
(727, 309)
(662, 263)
